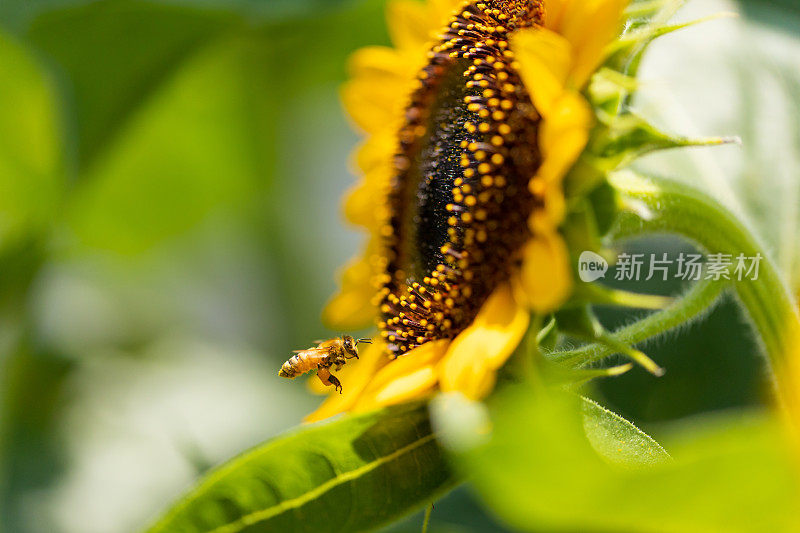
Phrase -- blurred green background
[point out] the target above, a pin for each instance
(170, 175)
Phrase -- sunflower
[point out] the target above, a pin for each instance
(472, 122)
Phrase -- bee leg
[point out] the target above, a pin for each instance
(324, 375)
(337, 385)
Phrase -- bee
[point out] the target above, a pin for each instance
(327, 355)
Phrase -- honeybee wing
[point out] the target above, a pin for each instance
(336, 341)
(315, 349)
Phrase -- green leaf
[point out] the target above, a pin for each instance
(618, 440)
(115, 55)
(463, 424)
(352, 474)
(539, 472)
(192, 151)
(17, 15)
(110, 77)
(31, 178)
(195, 132)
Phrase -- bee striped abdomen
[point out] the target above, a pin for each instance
(297, 365)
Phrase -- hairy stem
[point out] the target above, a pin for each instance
(669, 207)
(696, 300)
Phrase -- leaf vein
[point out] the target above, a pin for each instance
(299, 501)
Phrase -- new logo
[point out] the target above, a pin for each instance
(591, 266)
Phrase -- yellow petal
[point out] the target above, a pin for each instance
(424, 355)
(444, 10)
(380, 64)
(365, 204)
(376, 151)
(409, 376)
(563, 136)
(478, 351)
(359, 203)
(545, 59)
(352, 308)
(548, 218)
(410, 24)
(380, 79)
(373, 107)
(572, 117)
(405, 388)
(554, 13)
(590, 25)
(474, 379)
(355, 376)
(545, 275)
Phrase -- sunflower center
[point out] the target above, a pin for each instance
(434, 169)
(459, 200)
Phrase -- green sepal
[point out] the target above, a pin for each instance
(572, 378)
(547, 337)
(581, 322)
(644, 25)
(630, 136)
(581, 229)
(691, 306)
(669, 28)
(616, 145)
(608, 91)
(644, 21)
(643, 12)
(606, 205)
(597, 294)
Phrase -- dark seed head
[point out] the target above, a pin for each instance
(521, 13)
(459, 198)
